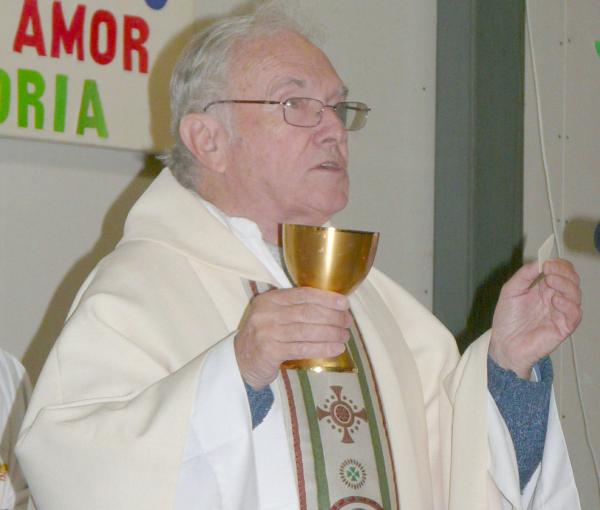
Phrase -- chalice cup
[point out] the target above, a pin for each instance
(332, 259)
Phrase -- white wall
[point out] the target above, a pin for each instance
(62, 207)
(568, 72)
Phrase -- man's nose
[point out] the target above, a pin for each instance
(331, 128)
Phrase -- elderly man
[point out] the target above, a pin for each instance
(165, 389)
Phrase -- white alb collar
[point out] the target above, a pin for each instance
(248, 233)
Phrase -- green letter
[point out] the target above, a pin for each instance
(26, 77)
(4, 95)
(60, 102)
(91, 97)
(598, 48)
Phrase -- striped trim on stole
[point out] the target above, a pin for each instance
(338, 435)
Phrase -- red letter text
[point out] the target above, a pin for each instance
(67, 36)
(30, 15)
(108, 20)
(132, 43)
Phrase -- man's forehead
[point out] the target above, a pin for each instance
(285, 60)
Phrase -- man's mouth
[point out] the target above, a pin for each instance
(331, 165)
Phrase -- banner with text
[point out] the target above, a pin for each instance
(90, 71)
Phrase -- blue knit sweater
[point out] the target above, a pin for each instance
(523, 405)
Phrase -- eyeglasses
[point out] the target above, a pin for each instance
(308, 112)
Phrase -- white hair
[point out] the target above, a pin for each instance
(201, 75)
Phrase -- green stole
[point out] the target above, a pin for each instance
(338, 435)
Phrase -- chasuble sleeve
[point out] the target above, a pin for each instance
(108, 421)
(481, 437)
(472, 459)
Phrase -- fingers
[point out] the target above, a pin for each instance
(314, 314)
(565, 286)
(563, 268)
(286, 324)
(304, 307)
(310, 333)
(566, 314)
(561, 277)
(301, 295)
(526, 276)
(304, 350)
(297, 341)
(307, 306)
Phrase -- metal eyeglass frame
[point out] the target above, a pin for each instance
(349, 105)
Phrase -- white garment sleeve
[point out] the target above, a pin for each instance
(218, 461)
(213, 477)
(552, 486)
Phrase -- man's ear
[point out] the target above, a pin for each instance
(206, 138)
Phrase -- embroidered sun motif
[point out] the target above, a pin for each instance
(353, 474)
(342, 413)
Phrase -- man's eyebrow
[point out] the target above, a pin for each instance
(344, 91)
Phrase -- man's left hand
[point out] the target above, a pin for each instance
(531, 320)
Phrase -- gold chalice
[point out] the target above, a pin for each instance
(330, 259)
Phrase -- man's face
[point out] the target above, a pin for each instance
(276, 172)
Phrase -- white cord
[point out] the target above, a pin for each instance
(557, 239)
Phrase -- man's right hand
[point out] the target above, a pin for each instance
(286, 324)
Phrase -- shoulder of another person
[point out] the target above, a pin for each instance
(10, 368)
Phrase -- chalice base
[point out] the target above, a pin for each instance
(341, 363)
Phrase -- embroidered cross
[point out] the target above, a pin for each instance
(341, 413)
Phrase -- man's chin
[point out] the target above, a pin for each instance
(318, 212)
(333, 207)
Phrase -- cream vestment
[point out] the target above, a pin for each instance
(148, 350)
